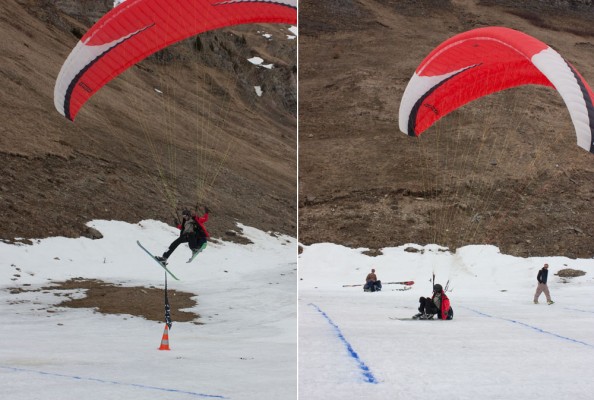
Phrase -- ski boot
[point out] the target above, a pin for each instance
(550, 302)
(162, 260)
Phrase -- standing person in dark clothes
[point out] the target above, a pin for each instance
(192, 231)
(541, 277)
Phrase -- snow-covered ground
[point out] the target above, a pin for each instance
(246, 348)
(498, 346)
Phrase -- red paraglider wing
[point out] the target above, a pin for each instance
(484, 61)
(137, 28)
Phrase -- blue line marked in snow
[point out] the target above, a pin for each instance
(212, 396)
(366, 372)
(531, 327)
(576, 309)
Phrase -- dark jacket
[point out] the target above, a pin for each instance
(542, 275)
(200, 230)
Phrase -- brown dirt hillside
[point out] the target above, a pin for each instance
(183, 127)
(502, 171)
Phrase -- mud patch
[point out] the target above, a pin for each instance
(109, 298)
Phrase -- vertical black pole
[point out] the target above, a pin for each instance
(167, 308)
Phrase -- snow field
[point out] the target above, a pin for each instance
(498, 346)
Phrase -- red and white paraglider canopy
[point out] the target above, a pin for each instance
(136, 29)
(484, 61)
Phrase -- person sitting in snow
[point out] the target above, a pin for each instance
(438, 304)
(192, 231)
(372, 284)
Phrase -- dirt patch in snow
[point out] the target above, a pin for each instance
(109, 298)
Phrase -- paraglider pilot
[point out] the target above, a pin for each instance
(192, 231)
(438, 304)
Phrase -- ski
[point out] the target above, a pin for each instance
(407, 283)
(157, 261)
(410, 319)
(196, 253)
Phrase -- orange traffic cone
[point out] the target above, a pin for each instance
(165, 339)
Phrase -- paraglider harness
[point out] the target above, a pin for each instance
(195, 228)
(372, 286)
(200, 233)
